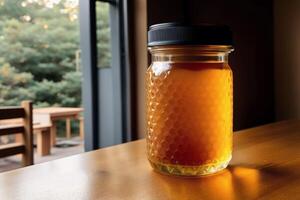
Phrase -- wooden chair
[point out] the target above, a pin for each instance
(26, 148)
(40, 130)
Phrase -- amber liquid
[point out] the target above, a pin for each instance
(189, 117)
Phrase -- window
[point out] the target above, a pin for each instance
(106, 81)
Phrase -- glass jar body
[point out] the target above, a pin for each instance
(189, 110)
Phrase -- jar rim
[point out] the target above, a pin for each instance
(191, 49)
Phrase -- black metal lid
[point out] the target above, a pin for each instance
(185, 34)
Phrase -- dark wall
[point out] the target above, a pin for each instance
(252, 61)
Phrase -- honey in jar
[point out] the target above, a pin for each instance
(189, 99)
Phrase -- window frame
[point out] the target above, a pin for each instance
(121, 72)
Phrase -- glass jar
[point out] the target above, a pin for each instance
(189, 100)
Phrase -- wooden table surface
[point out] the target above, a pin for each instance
(265, 165)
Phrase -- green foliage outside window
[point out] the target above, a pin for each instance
(39, 40)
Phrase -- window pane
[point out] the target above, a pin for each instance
(39, 53)
(103, 35)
